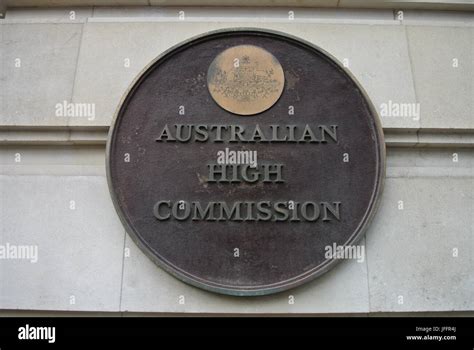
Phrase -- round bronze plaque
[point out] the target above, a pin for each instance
(245, 206)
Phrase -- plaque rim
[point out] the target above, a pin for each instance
(280, 286)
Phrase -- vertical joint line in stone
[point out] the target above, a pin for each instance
(76, 67)
(412, 72)
(123, 269)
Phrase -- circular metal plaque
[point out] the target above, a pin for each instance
(245, 206)
(245, 79)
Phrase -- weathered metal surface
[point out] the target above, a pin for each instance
(254, 228)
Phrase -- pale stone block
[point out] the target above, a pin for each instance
(146, 287)
(420, 257)
(80, 244)
(39, 63)
(113, 55)
(443, 61)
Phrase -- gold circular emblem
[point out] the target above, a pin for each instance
(245, 79)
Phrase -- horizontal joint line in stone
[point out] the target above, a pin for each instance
(97, 135)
